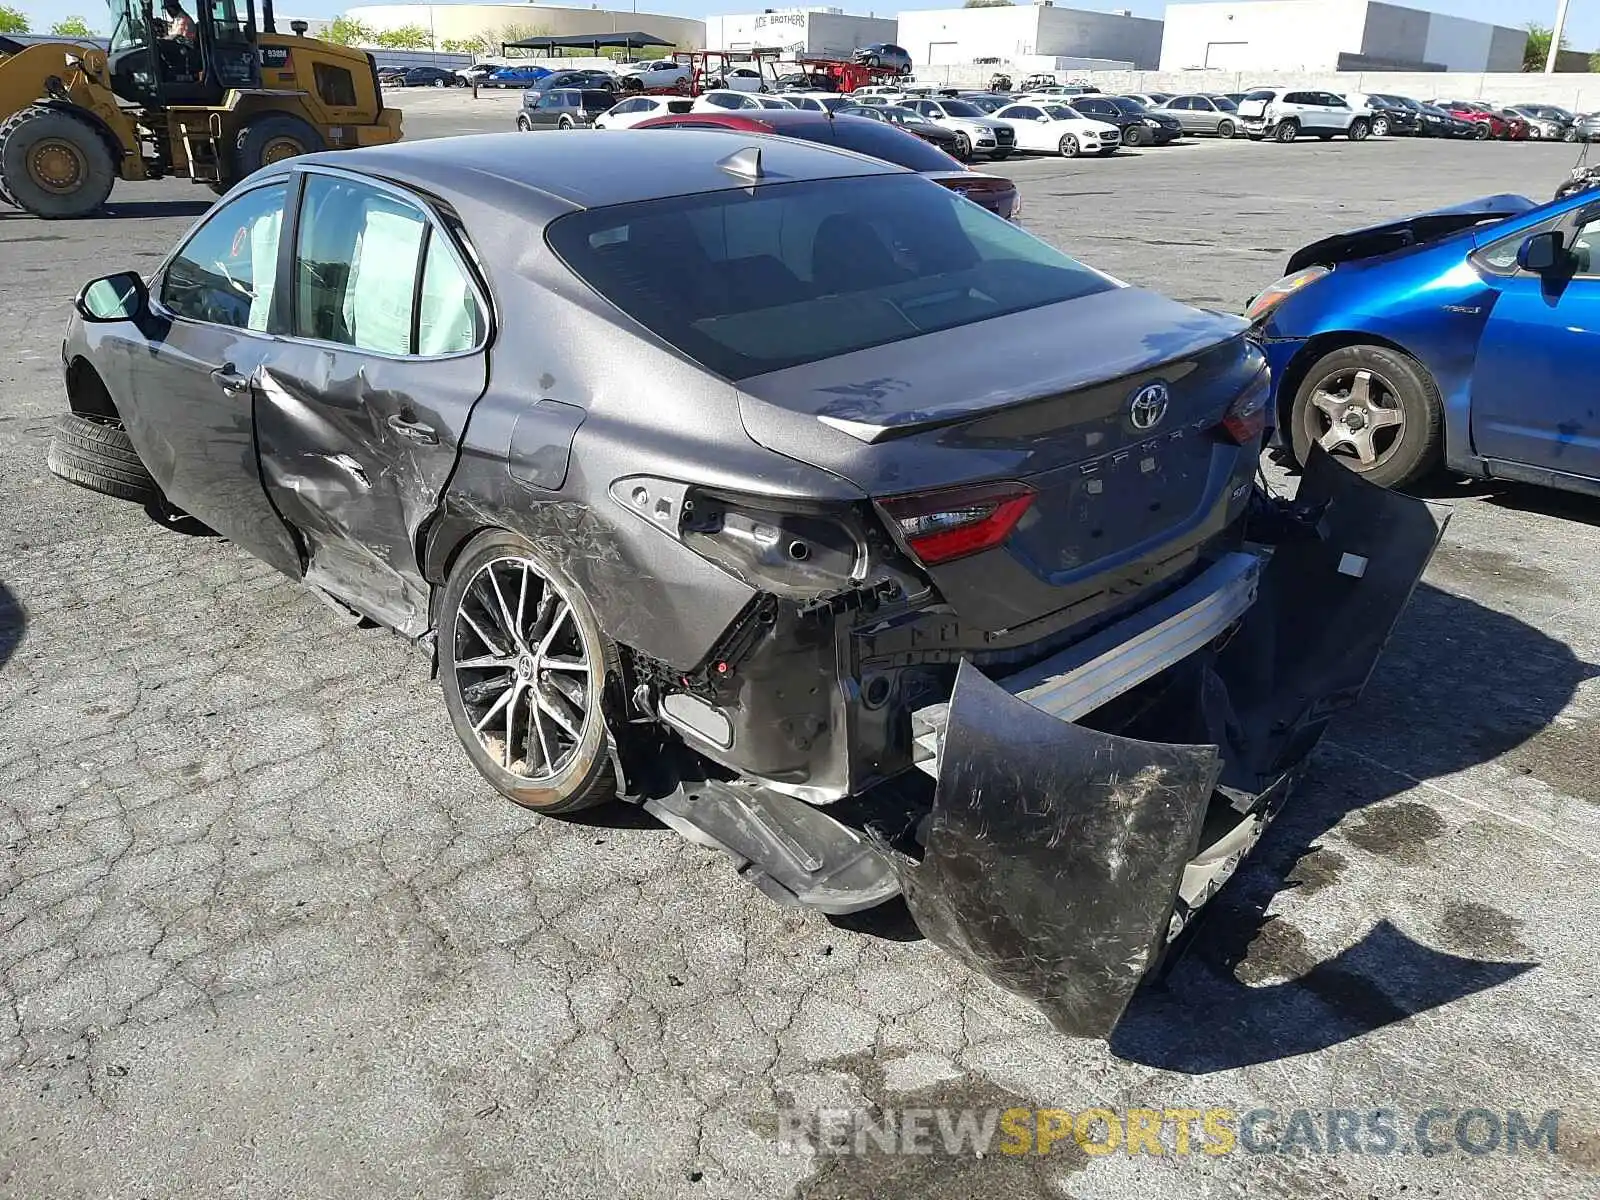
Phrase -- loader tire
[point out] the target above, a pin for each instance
(53, 164)
(95, 453)
(273, 138)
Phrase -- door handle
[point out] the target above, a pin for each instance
(229, 380)
(415, 430)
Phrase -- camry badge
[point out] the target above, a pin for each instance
(1149, 405)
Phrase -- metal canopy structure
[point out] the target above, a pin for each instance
(585, 41)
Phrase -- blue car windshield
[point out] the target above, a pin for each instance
(746, 281)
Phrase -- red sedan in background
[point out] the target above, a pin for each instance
(1485, 117)
(872, 138)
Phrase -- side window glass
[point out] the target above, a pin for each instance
(225, 272)
(1585, 247)
(356, 266)
(335, 85)
(448, 318)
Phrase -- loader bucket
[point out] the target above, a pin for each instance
(1054, 852)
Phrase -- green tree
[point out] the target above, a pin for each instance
(72, 27)
(348, 31)
(1594, 61)
(1537, 48)
(515, 33)
(406, 37)
(13, 20)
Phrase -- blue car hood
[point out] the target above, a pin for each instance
(1419, 230)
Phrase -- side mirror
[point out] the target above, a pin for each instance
(1540, 252)
(1042, 120)
(119, 297)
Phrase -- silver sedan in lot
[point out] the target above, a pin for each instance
(1204, 114)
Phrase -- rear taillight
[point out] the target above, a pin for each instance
(939, 527)
(1246, 417)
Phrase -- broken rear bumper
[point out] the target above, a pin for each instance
(1086, 807)
(1061, 856)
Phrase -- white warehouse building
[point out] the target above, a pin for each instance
(823, 32)
(943, 36)
(1333, 35)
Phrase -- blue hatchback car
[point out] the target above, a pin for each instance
(1467, 337)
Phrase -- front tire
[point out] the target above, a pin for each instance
(1483, 133)
(1133, 136)
(53, 164)
(95, 453)
(1569, 134)
(1376, 410)
(524, 124)
(525, 666)
(963, 150)
(1380, 126)
(1068, 146)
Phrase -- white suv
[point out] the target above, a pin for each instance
(1284, 115)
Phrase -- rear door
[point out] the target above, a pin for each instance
(361, 409)
(1534, 397)
(1185, 110)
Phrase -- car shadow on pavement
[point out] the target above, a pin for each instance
(1459, 685)
(13, 621)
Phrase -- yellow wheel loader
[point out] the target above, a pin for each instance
(211, 98)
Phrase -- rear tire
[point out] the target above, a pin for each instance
(469, 610)
(1569, 134)
(1227, 129)
(53, 164)
(565, 124)
(95, 453)
(1286, 131)
(273, 138)
(1398, 381)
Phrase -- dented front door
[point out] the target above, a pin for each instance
(360, 413)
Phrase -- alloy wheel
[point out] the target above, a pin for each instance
(1356, 412)
(1069, 146)
(1380, 127)
(524, 669)
(963, 146)
(1288, 131)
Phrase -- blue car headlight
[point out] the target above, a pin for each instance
(1280, 291)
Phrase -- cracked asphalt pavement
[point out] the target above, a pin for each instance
(263, 932)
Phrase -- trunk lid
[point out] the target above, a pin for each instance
(1045, 398)
(1253, 110)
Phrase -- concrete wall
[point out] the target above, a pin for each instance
(1456, 44)
(799, 31)
(1580, 93)
(1506, 49)
(1261, 34)
(1076, 33)
(948, 36)
(1396, 34)
(469, 20)
(953, 35)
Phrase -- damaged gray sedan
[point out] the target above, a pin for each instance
(843, 525)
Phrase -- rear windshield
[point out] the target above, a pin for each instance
(1224, 104)
(747, 281)
(1261, 94)
(866, 136)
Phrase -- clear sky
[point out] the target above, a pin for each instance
(1583, 16)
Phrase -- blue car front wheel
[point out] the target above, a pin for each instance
(1375, 409)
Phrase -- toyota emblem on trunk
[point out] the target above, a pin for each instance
(1149, 406)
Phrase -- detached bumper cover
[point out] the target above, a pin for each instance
(1056, 855)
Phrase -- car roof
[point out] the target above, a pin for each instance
(619, 167)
